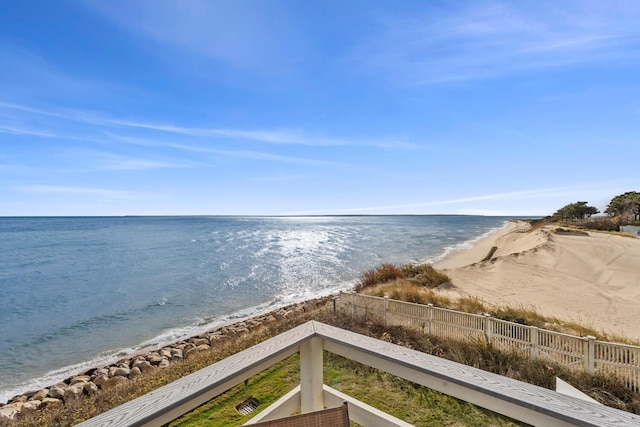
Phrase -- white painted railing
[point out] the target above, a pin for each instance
(587, 353)
(521, 401)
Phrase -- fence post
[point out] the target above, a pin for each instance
(589, 354)
(430, 317)
(533, 339)
(353, 305)
(488, 327)
(386, 302)
(334, 304)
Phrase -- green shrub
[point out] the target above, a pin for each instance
(510, 315)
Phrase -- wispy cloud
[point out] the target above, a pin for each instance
(241, 34)
(279, 137)
(258, 155)
(512, 194)
(246, 154)
(492, 39)
(29, 75)
(569, 191)
(82, 191)
(23, 131)
(276, 178)
(109, 161)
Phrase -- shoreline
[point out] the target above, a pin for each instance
(165, 339)
(42, 374)
(131, 366)
(479, 248)
(592, 279)
(67, 373)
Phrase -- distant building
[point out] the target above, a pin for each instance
(634, 230)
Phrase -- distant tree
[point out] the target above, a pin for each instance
(584, 211)
(562, 213)
(573, 211)
(625, 205)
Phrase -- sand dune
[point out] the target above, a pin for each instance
(593, 280)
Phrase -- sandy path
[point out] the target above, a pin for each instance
(593, 280)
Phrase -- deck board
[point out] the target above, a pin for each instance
(529, 403)
(169, 402)
(495, 392)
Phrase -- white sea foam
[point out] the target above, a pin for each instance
(58, 375)
(200, 327)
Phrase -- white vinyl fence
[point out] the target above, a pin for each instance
(587, 353)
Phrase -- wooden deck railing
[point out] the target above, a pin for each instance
(524, 402)
(587, 353)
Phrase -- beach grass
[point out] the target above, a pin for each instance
(404, 291)
(607, 390)
(423, 275)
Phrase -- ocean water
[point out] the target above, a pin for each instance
(78, 292)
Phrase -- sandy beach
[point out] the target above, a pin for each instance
(591, 279)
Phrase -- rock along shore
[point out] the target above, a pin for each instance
(135, 365)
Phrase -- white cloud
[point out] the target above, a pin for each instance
(242, 34)
(278, 137)
(276, 178)
(402, 207)
(493, 39)
(23, 131)
(82, 191)
(109, 161)
(282, 137)
(595, 191)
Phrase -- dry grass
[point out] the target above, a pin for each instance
(607, 390)
(384, 273)
(405, 290)
(412, 283)
(421, 275)
(90, 406)
(480, 355)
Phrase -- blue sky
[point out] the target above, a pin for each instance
(145, 107)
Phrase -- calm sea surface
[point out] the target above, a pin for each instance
(75, 292)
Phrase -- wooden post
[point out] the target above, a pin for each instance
(430, 317)
(589, 354)
(533, 339)
(311, 396)
(487, 327)
(386, 303)
(353, 305)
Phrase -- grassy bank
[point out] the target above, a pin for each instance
(414, 404)
(423, 292)
(411, 284)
